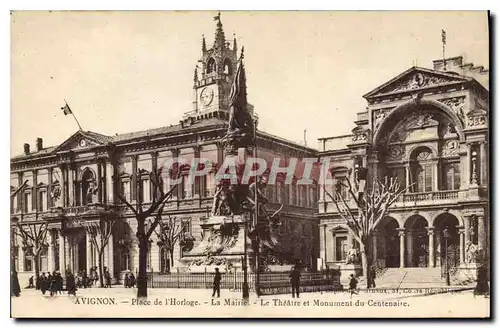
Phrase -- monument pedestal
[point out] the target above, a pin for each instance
(348, 269)
(468, 271)
(222, 245)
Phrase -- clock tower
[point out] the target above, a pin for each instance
(214, 75)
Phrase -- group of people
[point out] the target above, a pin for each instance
(52, 282)
(92, 279)
(129, 280)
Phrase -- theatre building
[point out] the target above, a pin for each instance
(78, 181)
(428, 128)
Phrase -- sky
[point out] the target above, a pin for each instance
(129, 71)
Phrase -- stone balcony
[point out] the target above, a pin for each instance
(440, 197)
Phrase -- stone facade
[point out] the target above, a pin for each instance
(81, 178)
(429, 128)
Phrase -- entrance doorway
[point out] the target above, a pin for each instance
(417, 242)
(390, 242)
(448, 245)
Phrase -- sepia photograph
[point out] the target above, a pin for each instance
(250, 164)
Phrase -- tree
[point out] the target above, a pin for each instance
(34, 239)
(168, 233)
(371, 208)
(100, 232)
(155, 209)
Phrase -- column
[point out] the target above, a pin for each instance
(89, 247)
(409, 247)
(430, 233)
(111, 252)
(324, 245)
(467, 229)
(481, 234)
(20, 195)
(20, 255)
(99, 182)
(109, 182)
(440, 246)
(63, 188)
(401, 247)
(34, 193)
(62, 254)
(469, 164)
(49, 190)
(462, 245)
(407, 171)
(50, 253)
(484, 163)
(72, 194)
(133, 182)
(67, 256)
(435, 176)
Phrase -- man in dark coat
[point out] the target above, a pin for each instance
(30, 282)
(15, 287)
(371, 277)
(70, 284)
(353, 284)
(43, 283)
(295, 281)
(482, 287)
(217, 279)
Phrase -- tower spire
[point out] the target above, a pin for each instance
(220, 38)
(195, 77)
(203, 43)
(235, 45)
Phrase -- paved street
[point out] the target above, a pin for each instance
(121, 302)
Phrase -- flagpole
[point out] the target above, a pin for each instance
(74, 116)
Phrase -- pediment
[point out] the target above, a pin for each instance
(81, 140)
(415, 79)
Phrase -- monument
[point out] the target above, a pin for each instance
(238, 220)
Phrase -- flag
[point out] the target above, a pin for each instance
(443, 36)
(66, 110)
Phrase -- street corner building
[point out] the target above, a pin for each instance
(428, 128)
(66, 187)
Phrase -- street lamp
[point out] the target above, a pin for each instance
(446, 235)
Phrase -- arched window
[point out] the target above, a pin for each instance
(211, 67)
(89, 187)
(227, 67)
(421, 169)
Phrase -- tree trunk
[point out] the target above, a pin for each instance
(364, 261)
(171, 258)
(37, 269)
(100, 264)
(142, 280)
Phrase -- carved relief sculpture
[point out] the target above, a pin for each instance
(451, 147)
(395, 152)
(457, 106)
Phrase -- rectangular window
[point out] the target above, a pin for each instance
(341, 187)
(42, 201)
(340, 248)
(452, 176)
(125, 189)
(27, 202)
(186, 187)
(28, 263)
(145, 191)
(428, 178)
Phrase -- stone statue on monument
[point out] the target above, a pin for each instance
(471, 252)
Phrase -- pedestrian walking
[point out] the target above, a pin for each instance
(107, 276)
(295, 281)
(482, 287)
(132, 280)
(43, 283)
(59, 282)
(126, 281)
(30, 283)
(70, 283)
(217, 279)
(353, 285)
(371, 277)
(15, 287)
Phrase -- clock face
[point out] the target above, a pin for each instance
(83, 143)
(206, 96)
